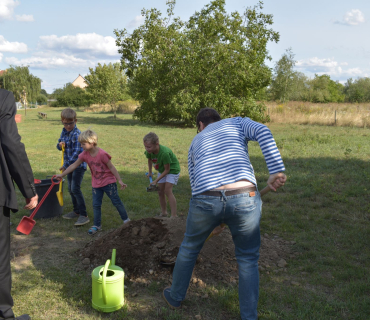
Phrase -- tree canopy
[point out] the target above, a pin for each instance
(106, 84)
(357, 90)
(22, 83)
(71, 96)
(284, 77)
(288, 84)
(214, 59)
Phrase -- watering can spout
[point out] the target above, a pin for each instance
(113, 261)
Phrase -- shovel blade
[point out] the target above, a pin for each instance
(152, 189)
(26, 225)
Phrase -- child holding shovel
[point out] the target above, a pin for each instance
(168, 168)
(103, 177)
(69, 140)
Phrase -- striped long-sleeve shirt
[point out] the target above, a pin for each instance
(219, 154)
(72, 148)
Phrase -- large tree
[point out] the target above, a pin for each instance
(357, 90)
(284, 77)
(324, 89)
(213, 60)
(71, 96)
(25, 86)
(106, 84)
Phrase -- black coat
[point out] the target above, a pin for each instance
(14, 164)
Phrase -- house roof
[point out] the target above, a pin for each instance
(80, 82)
(79, 76)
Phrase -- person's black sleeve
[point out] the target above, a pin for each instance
(13, 149)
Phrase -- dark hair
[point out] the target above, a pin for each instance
(207, 116)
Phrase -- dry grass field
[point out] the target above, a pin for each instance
(124, 107)
(338, 114)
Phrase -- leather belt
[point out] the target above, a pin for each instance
(217, 193)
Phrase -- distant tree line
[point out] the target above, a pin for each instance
(290, 85)
(107, 84)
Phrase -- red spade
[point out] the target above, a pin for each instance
(27, 223)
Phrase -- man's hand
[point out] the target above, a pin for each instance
(123, 185)
(276, 180)
(32, 202)
(62, 169)
(62, 144)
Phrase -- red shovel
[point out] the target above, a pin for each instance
(27, 223)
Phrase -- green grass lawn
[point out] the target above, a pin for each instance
(324, 208)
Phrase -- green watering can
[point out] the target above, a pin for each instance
(107, 286)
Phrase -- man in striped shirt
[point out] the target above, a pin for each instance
(224, 190)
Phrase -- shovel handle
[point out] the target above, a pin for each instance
(61, 171)
(150, 178)
(62, 156)
(44, 197)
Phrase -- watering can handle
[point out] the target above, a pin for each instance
(104, 281)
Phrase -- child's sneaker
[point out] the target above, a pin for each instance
(127, 220)
(71, 215)
(93, 230)
(82, 220)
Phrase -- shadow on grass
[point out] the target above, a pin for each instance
(52, 245)
(324, 207)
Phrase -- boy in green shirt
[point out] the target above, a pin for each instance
(168, 168)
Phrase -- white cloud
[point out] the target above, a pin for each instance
(53, 60)
(15, 47)
(25, 17)
(352, 18)
(137, 21)
(317, 63)
(7, 9)
(50, 61)
(91, 43)
(329, 66)
(1, 56)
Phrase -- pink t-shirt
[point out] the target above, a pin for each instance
(100, 173)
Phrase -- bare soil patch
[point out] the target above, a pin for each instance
(147, 249)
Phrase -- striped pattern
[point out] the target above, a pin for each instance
(219, 154)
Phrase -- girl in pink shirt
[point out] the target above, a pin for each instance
(103, 177)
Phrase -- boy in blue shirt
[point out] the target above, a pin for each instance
(69, 139)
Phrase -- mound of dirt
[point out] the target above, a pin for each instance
(147, 249)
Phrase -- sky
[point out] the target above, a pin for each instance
(59, 40)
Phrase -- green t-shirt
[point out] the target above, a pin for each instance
(164, 156)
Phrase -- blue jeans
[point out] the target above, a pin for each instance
(242, 214)
(111, 191)
(74, 189)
